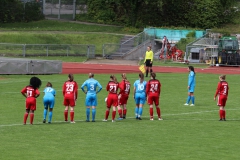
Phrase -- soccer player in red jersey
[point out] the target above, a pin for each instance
(70, 94)
(124, 86)
(222, 93)
(153, 90)
(112, 99)
(31, 92)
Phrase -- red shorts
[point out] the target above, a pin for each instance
(69, 102)
(31, 103)
(112, 100)
(153, 98)
(222, 100)
(123, 100)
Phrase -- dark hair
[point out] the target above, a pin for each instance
(113, 78)
(153, 75)
(191, 68)
(141, 76)
(49, 84)
(70, 76)
(35, 82)
(150, 47)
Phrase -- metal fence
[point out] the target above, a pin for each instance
(11, 50)
(126, 47)
(63, 9)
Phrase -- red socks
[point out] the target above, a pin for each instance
(31, 118)
(72, 115)
(222, 114)
(158, 112)
(151, 112)
(66, 115)
(25, 118)
(124, 112)
(106, 114)
(120, 113)
(113, 115)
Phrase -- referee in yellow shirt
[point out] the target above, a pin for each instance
(148, 60)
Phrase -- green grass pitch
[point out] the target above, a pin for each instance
(186, 133)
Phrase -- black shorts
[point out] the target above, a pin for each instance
(148, 64)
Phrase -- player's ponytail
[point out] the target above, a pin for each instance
(70, 76)
(114, 79)
(49, 84)
(141, 76)
(153, 75)
(124, 76)
(191, 69)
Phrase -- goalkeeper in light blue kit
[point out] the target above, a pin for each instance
(191, 86)
(48, 101)
(91, 95)
(139, 94)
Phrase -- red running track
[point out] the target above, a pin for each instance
(78, 68)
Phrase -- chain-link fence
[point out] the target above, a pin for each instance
(13, 50)
(63, 9)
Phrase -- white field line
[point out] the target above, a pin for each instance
(163, 115)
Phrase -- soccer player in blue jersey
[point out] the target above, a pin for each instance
(48, 101)
(191, 86)
(139, 94)
(91, 95)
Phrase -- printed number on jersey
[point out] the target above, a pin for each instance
(154, 88)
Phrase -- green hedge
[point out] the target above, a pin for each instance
(17, 11)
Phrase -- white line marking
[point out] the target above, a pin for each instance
(163, 115)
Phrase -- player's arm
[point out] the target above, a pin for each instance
(107, 87)
(64, 89)
(159, 88)
(190, 80)
(99, 87)
(23, 91)
(147, 89)
(76, 90)
(37, 93)
(151, 56)
(217, 91)
(82, 87)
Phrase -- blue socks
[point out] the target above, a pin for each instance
(188, 99)
(136, 111)
(44, 113)
(93, 114)
(87, 113)
(140, 111)
(193, 99)
(50, 117)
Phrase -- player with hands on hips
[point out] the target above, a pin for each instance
(31, 92)
(112, 98)
(91, 95)
(153, 93)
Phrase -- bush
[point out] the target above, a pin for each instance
(16, 11)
